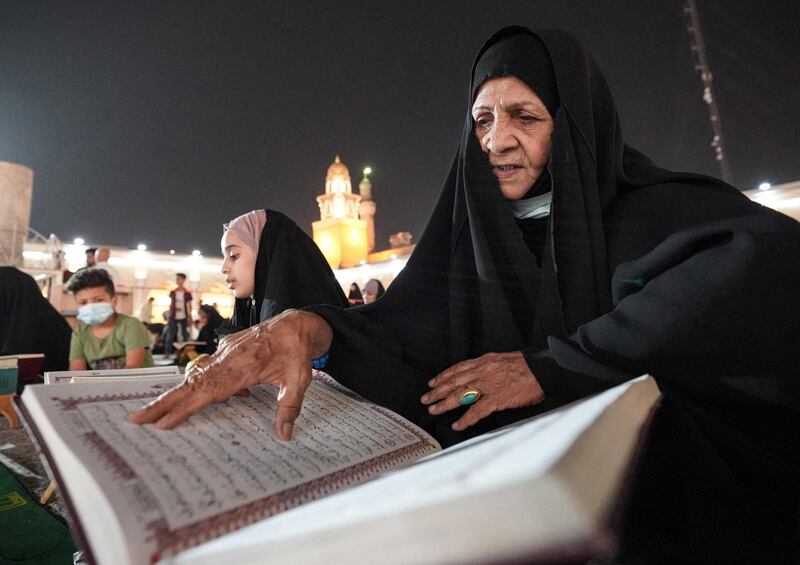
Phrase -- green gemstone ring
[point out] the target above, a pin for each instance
(469, 396)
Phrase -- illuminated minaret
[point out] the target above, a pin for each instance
(339, 233)
(366, 209)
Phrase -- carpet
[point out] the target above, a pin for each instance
(29, 534)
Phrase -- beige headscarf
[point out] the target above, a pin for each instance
(247, 227)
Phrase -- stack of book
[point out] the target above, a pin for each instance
(112, 375)
(22, 368)
(8, 375)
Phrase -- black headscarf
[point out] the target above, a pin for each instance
(290, 272)
(643, 270)
(208, 333)
(29, 323)
(355, 296)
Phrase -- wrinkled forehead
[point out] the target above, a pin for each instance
(523, 55)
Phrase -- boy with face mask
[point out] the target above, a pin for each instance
(104, 339)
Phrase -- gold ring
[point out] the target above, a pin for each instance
(195, 361)
(469, 396)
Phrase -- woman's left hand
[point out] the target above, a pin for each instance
(503, 379)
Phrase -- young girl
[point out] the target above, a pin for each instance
(271, 265)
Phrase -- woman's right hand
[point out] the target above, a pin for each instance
(277, 351)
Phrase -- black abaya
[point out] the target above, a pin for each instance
(643, 271)
(29, 323)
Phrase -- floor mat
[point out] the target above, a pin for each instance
(29, 534)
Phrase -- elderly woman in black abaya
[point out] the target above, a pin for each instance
(558, 262)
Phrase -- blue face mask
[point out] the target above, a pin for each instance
(95, 313)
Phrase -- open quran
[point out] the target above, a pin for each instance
(357, 483)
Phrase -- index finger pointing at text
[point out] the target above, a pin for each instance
(290, 401)
(165, 402)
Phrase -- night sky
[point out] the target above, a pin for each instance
(155, 122)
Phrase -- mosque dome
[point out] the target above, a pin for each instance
(338, 169)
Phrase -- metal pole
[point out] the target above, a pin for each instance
(703, 69)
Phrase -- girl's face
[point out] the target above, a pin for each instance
(239, 266)
(203, 319)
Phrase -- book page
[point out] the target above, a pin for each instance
(225, 467)
(502, 497)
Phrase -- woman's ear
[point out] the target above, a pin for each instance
(114, 302)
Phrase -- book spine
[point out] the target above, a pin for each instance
(8, 381)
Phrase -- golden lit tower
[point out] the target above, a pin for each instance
(339, 233)
(366, 209)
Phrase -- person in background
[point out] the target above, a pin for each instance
(180, 312)
(156, 330)
(194, 330)
(103, 255)
(373, 290)
(146, 312)
(29, 323)
(355, 296)
(210, 322)
(104, 338)
(91, 261)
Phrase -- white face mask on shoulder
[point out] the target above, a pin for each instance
(95, 313)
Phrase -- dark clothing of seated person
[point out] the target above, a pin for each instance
(354, 296)
(104, 339)
(29, 323)
(210, 322)
(559, 262)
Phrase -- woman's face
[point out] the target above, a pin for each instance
(239, 265)
(514, 128)
(202, 319)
